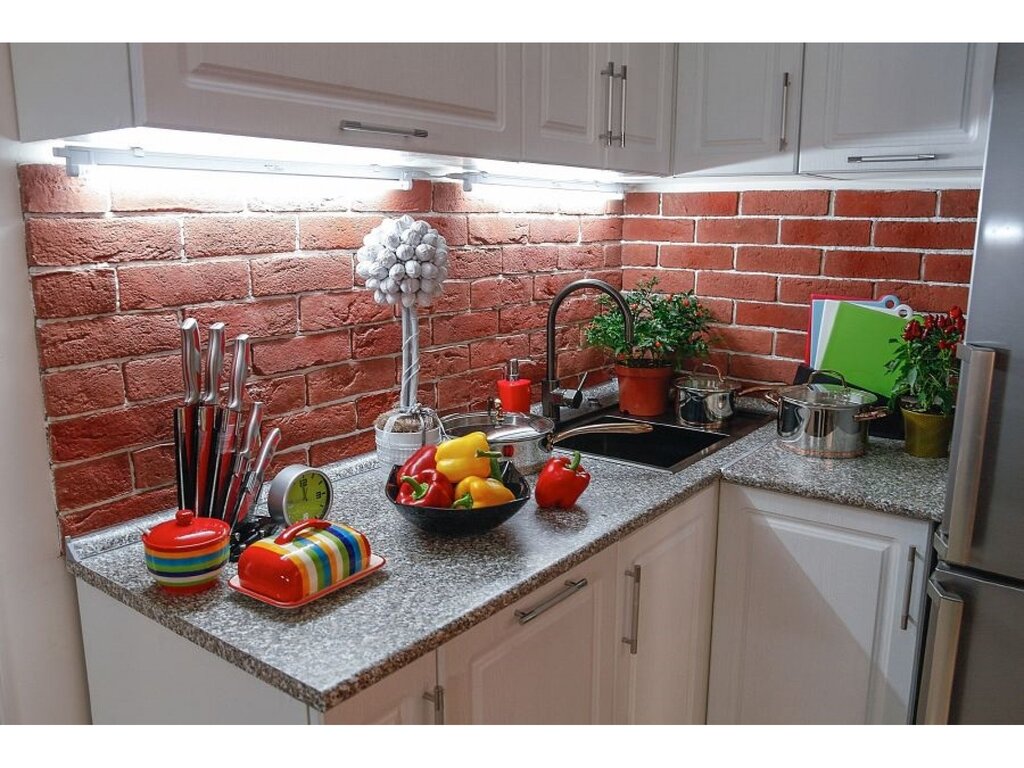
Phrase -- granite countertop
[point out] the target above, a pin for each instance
(434, 588)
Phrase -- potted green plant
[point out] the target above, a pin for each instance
(927, 371)
(667, 329)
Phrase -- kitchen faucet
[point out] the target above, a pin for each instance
(553, 398)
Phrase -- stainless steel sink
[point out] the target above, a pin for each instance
(669, 447)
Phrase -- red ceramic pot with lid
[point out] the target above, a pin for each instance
(188, 553)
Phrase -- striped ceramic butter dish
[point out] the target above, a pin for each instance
(308, 559)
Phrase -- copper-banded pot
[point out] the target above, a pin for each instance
(828, 421)
(707, 401)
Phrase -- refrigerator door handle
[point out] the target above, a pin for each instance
(945, 642)
(967, 454)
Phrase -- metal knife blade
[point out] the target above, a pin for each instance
(231, 428)
(242, 460)
(254, 479)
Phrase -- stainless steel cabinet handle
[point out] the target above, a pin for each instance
(634, 630)
(783, 141)
(950, 610)
(571, 588)
(890, 158)
(908, 588)
(622, 109)
(968, 449)
(610, 74)
(436, 697)
(355, 125)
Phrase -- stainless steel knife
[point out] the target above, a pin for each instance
(240, 464)
(254, 479)
(207, 420)
(230, 428)
(185, 414)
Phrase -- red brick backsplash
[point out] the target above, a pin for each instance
(756, 269)
(116, 264)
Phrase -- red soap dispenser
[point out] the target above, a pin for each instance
(514, 391)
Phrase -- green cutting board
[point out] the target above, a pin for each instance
(859, 346)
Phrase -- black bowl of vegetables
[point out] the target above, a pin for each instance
(459, 522)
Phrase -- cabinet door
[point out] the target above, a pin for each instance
(808, 614)
(643, 110)
(544, 660)
(565, 103)
(737, 108)
(398, 699)
(466, 96)
(662, 677)
(883, 102)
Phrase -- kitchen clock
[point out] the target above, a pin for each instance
(298, 493)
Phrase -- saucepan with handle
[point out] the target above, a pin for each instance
(708, 401)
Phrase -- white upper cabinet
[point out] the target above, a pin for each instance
(576, 102)
(883, 106)
(737, 108)
(458, 99)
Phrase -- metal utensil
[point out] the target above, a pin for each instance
(240, 464)
(254, 479)
(185, 414)
(230, 428)
(706, 401)
(207, 418)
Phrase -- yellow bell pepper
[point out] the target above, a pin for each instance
(464, 457)
(479, 492)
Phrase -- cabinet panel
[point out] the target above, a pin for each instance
(808, 604)
(665, 681)
(734, 112)
(395, 700)
(648, 111)
(555, 669)
(565, 104)
(883, 99)
(304, 91)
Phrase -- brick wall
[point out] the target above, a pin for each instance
(755, 257)
(117, 262)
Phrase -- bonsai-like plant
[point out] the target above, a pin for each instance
(925, 363)
(666, 328)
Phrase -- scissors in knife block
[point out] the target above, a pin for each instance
(230, 429)
(209, 414)
(185, 415)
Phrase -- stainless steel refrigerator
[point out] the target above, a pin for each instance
(973, 665)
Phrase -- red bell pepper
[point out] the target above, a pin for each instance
(561, 482)
(428, 488)
(419, 461)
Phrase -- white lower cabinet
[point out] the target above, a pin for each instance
(405, 697)
(817, 612)
(666, 573)
(546, 659)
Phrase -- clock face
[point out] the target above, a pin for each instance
(309, 496)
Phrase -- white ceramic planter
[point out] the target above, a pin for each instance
(395, 447)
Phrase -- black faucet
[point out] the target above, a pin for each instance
(553, 398)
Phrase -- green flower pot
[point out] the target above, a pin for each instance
(927, 434)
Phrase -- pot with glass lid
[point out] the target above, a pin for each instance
(828, 421)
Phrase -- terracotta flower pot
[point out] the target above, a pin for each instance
(643, 391)
(927, 434)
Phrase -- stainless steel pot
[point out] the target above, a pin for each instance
(525, 439)
(706, 401)
(828, 421)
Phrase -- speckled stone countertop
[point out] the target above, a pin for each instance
(885, 479)
(434, 587)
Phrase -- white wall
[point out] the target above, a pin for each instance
(42, 669)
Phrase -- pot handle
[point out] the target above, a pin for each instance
(759, 390)
(772, 396)
(602, 429)
(830, 372)
(713, 367)
(295, 529)
(874, 413)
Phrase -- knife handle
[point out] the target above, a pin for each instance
(191, 361)
(214, 364)
(239, 372)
